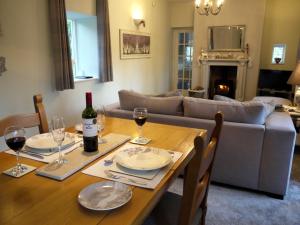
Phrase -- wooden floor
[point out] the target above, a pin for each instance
(296, 165)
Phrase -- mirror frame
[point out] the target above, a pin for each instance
(227, 50)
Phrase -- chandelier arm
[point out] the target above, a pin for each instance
(216, 11)
(209, 7)
(202, 12)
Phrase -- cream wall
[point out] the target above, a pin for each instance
(82, 6)
(26, 45)
(234, 12)
(282, 26)
(182, 14)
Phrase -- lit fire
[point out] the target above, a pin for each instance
(223, 88)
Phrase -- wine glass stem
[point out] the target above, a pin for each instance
(18, 164)
(59, 154)
(140, 131)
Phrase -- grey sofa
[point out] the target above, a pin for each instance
(255, 149)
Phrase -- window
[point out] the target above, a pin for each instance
(183, 57)
(82, 33)
(71, 25)
(278, 55)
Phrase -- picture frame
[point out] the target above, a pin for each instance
(134, 44)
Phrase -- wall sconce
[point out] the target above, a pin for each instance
(139, 22)
(138, 17)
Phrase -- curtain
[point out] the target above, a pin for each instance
(60, 44)
(104, 46)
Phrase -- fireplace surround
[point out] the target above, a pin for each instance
(238, 79)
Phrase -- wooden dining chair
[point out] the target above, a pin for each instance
(28, 120)
(191, 207)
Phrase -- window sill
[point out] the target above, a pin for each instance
(76, 80)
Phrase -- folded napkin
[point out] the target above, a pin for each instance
(146, 179)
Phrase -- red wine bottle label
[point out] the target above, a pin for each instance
(90, 127)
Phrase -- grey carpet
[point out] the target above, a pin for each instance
(229, 206)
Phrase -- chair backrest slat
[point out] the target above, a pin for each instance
(197, 176)
(22, 120)
(40, 109)
(28, 120)
(207, 158)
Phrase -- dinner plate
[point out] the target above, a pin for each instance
(143, 158)
(45, 141)
(105, 195)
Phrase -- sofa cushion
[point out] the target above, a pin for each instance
(224, 98)
(161, 105)
(269, 105)
(273, 100)
(169, 94)
(242, 112)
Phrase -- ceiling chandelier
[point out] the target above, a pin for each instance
(212, 7)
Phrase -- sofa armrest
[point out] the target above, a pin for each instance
(277, 153)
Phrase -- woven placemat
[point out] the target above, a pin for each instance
(78, 158)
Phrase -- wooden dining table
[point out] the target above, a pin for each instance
(33, 199)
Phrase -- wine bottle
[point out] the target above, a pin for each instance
(89, 125)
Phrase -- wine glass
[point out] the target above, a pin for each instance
(15, 140)
(101, 123)
(140, 116)
(58, 134)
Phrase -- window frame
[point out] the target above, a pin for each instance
(176, 56)
(282, 61)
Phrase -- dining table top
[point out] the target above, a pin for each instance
(33, 199)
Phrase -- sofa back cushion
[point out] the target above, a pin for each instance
(169, 94)
(241, 112)
(269, 106)
(224, 98)
(161, 105)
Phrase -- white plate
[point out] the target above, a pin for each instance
(45, 141)
(105, 195)
(78, 127)
(143, 158)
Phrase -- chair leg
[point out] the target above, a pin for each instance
(203, 211)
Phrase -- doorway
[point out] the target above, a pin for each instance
(182, 59)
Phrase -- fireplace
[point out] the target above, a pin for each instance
(222, 81)
(234, 70)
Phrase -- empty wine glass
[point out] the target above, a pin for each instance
(15, 140)
(140, 116)
(101, 123)
(58, 134)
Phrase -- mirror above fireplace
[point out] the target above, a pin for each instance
(226, 38)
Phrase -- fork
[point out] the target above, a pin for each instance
(114, 176)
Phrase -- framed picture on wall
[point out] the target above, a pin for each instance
(134, 44)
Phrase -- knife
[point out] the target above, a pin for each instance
(33, 154)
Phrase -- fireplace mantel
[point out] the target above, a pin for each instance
(241, 65)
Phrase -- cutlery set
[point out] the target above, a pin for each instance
(115, 176)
